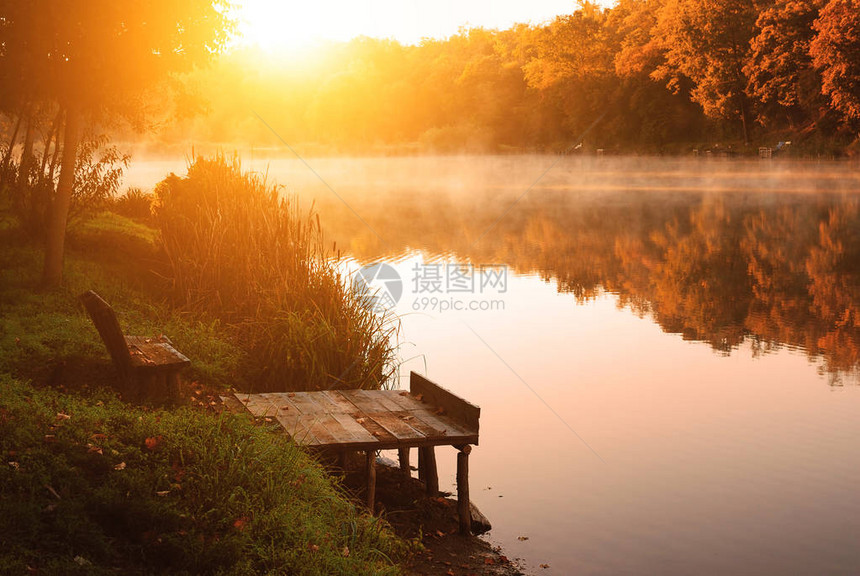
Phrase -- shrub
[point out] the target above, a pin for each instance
(135, 203)
(242, 252)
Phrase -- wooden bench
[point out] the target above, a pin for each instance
(149, 367)
(369, 420)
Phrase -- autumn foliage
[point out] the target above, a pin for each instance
(661, 75)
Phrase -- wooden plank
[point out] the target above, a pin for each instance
(153, 352)
(357, 432)
(394, 424)
(305, 402)
(298, 428)
(282, 403)
(257, 405)
(405, 401)
(441, 428)
(467, 414)
(319, 428)
(378, 400)
(105, 321)
(336, 402)
(377, 431)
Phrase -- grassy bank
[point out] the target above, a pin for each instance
(92, 485)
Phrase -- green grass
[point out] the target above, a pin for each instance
(90, 485)
(43, 332)
(81, 489)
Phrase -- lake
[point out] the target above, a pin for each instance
(665, 351)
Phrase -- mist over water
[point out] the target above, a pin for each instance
(696, 322)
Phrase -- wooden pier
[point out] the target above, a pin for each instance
(369, 420)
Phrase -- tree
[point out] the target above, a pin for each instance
(707, 41)
(97, 60)
(781, 77)
(835, 51)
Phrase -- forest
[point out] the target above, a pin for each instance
(662, 76)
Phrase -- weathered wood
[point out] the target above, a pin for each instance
(105, 321)
(403, 456)
(150, 365)
(427, 462)
(463, 412)
(463, 506)
(371, 479)
(361, 420)
(341, 423)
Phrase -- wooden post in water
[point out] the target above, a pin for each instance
(371, 480)
(403, 454)
(463, 508)
(427, 464)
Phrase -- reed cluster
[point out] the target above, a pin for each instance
(242, 251)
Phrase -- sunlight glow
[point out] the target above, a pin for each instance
(275, 25)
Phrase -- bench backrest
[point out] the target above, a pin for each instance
(455, 407)
(106, 323)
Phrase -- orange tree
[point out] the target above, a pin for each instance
(99, 60)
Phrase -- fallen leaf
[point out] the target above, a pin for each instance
(120, 466)
(153, 442)
(489, 560)
(361, 420)
(98, 436)
(419, 397)
(345, 551)
(439, 410)
(285, 407)
(409, 417)
(50, 438)
(62, 416)
(291, 395)
(240, 523)
(404, 393)
(522, 538)
(162, 493)
(544, 565)
(95, 449)
(313, 547)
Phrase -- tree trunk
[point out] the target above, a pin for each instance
(43, 187)
(56, 234)
(4, 171)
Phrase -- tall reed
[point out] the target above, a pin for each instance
(242, 251)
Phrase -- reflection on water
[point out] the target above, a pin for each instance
(775, 265)
(680, 317)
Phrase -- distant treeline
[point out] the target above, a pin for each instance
(662, 75)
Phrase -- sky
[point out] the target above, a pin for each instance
(274, 24)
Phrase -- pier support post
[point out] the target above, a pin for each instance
(371, 480)
(403, 455)
(463, 508)
(427, 466)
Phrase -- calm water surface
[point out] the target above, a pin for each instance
(669, 379)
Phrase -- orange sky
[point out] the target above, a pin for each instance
(275, 24)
